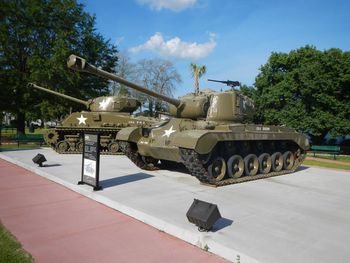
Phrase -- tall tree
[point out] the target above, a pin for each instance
(197, 72)
(126, 70)
(36, 37)
(160, 76)
(306, 89)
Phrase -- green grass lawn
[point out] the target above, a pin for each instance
(11, 250)
(327, 165)
(12, 132)
(341, 158)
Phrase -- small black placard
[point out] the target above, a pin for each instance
(90, 172)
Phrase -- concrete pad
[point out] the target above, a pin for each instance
(299, 217)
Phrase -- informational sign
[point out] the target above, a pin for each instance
(91, 161)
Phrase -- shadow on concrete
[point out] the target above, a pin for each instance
(173, 166)
(221, 223)
(124, 179)
(51, 165)
(302, 168)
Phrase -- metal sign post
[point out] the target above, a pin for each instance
(90, 172)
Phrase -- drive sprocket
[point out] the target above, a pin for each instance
(51, 137)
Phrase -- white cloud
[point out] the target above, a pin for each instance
(175, 47)
(175, 5)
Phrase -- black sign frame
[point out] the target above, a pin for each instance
(90, 170)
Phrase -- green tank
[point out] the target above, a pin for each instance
(207, 133)
(105, 115)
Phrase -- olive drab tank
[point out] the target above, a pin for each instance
(208, 134)
(105, 115)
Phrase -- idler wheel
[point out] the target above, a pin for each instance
(113, 147)
(265, 163)
(217, 169)
(235, 166)
(288, 160)
(277, 161)
(80, 146)
(62, 146)
(251, 165)
(51, 137)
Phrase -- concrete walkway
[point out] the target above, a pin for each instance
(55, 224)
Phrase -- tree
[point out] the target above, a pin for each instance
(197, 72)
(157, 75)
(126, 70)
(36, 37)
(306, 89)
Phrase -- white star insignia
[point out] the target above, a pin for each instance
(104, 104)
(82, 119)
(168, 132)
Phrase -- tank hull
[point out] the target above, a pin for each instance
(68, 138)
(223, 154)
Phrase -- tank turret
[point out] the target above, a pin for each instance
(99, 104)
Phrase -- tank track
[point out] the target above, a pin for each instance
(62, 131)
(195, 166)
(198, 170)
(130, 151)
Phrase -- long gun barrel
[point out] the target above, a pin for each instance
(86, 103)
(79, 64)
(230, 83)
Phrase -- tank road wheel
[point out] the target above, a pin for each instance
(62, 146)
(277, 161)
(288, 160)
(217, 169)
(265, 163)
(235, 166)
(113, 147)
(80, 147)
(251, 164)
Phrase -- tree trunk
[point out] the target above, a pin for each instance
(20, 122)
(196, 85)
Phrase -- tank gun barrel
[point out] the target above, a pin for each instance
(229, 83)
(32, 85)
(79, 64)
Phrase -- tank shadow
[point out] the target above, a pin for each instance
(51, 165)
(124, 179)
(302, 168)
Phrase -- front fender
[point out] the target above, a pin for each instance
(130, 134)
(199, 140)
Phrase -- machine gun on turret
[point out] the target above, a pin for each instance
(230, 83)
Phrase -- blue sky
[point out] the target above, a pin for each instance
(232, 38)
